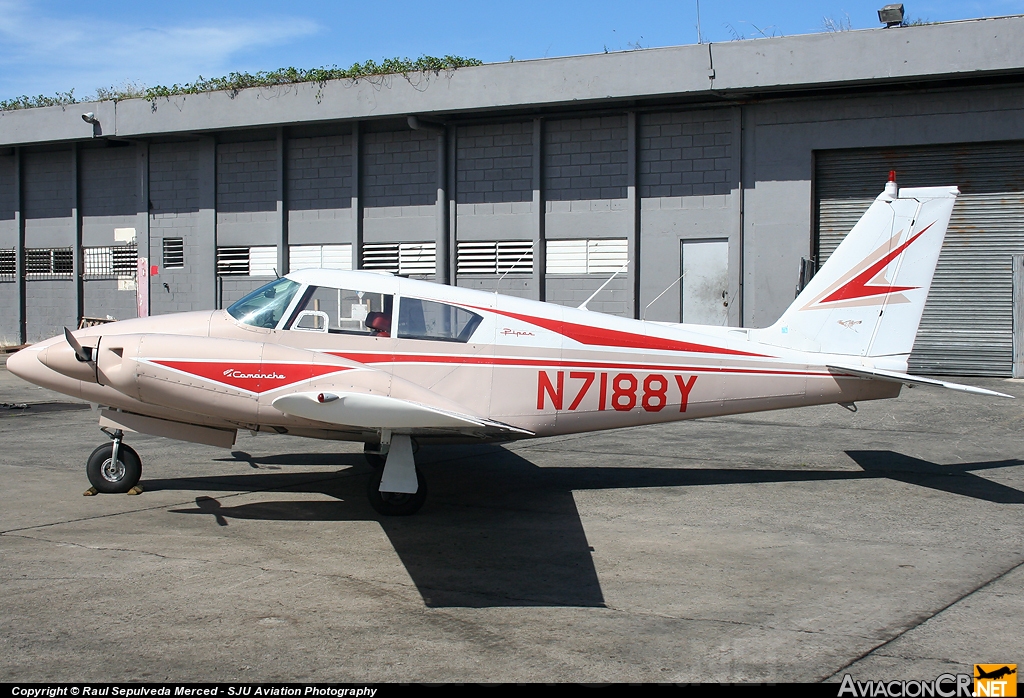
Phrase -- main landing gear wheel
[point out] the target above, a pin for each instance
(110, 477)
(395, 503)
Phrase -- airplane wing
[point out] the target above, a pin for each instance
(370, 411)
(907, 379)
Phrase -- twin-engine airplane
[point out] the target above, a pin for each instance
(389, 361)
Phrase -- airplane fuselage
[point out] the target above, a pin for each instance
(538, 368)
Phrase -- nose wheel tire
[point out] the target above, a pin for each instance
(109, 477)
(395, 503)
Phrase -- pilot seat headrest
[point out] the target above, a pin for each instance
(379, 322)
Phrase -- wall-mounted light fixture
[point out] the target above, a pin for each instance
(90, 118)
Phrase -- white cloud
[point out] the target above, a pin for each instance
(45, 54)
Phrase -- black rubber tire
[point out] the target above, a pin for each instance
(395, 503)
(375, 459)
(118, 480)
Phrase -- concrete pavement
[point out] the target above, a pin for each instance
(786, 546)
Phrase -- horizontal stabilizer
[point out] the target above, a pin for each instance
(380, 412)
(896, 377)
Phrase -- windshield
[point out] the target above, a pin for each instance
(265, 306)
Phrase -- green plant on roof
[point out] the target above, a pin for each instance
(234, 82)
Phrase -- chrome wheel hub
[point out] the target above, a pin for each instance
(111, 471)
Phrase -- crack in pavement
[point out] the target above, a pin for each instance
(924, 620)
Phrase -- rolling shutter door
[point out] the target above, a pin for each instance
(967, 328)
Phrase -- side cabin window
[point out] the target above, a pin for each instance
(344, 311)
(420, 319)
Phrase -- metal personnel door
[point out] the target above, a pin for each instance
(705, 285)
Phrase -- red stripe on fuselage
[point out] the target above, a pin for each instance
(558, 363)
(598, 336)
(250, 376)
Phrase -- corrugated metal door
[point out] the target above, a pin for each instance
(967, 328)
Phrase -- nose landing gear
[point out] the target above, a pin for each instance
(114, 468)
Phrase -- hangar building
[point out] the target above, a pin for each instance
(731, 165)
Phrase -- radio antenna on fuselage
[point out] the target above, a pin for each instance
(528, 253)
(643, 315)
(583, 305)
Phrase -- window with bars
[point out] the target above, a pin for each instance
(405, 258)
(246, 261)
(49, 262)
(600, 256)
(320, 257)
(174, 253)
(116, 262)
(8, 265)
(495, 257)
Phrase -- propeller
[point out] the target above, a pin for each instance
(83, 354)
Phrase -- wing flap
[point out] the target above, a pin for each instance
(907, 379)
(370, 411)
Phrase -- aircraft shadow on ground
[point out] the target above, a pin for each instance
(498, 530)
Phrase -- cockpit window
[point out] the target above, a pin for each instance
(420, 319)
(265, 306)
(344, 311)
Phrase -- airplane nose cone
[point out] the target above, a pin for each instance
(24, 363)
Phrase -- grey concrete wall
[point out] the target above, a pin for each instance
(585, 159)
(778, 165)
(399, 187)
(689, 181)
(585, 178)
(686, 153)
(495, 163)
(399, 169)
(175, 191)
(8, 202)
(590, 218)
(320, 185)
(233, 288)
(10, 331)
(49, 197)
(494, 181)
(109, 192)
(51, 305)
(571, 290)
(48, 193)
(109, 198)
(512, 285)
(690, 164)
(247, 193)
(102, 298)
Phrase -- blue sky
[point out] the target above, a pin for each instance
(47, 47)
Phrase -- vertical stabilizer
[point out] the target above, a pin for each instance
(868, 298)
